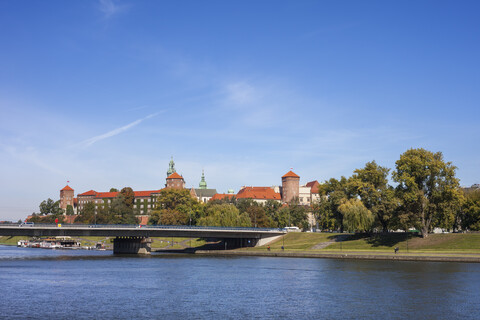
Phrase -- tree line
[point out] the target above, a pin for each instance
(426, 195)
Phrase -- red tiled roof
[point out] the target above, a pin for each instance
(290, 174)
(259, 193)
(221, 196)
(88, 193)
(174, 176)
(106, 194)
(145, 193)
(138, 194)
(67, 188)
(313, 185)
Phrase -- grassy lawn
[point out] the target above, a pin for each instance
(454, 242)
(7, 240)
(299, 241)
(383, 243)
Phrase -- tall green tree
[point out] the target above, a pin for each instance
(336, 191)
(176, 207)
(224, 215)
(470, 213)
(258, 217)
(87, 214)
(122, 208)
(356, 217)
(69, 211)
(50, 207)
(427, 187)
(128, 196)
(371, 184)
(324, 216)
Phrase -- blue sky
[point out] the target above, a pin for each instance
(103, 93)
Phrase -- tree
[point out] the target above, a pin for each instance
(335, 192)
(371, 184)
(69, 211)
(470, 213)
(258, 217)
(292, 215)
(128, 196)
(113, 190)
(224, 215)
(173, 202)
(87, 215)
(50, 207)
(356, 217)
(427, 187)
(122, 208)
(322, 209)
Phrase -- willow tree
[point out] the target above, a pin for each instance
(356, 217)
(427, 187)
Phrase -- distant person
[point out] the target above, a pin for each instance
(396, 250)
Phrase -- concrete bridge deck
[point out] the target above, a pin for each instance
(51, 230)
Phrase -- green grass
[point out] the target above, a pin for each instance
(7, 240)
(299, 241)
(380, 243)
(455, 242)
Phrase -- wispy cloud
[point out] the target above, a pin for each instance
(109, 8)
(87, 143)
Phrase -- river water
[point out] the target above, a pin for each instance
(60, 284)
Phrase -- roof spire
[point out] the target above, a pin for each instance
(171, 167)
(203, 183)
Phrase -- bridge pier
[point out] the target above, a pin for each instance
(131, 245)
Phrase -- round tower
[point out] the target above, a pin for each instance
(66, 197)
(290, 186)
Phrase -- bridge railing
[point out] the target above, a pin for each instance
(164, 227)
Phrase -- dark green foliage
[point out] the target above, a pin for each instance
(371, 184)
(69, 211)
(176, 207)
(224, 215)
(128, 196)
(470, 213)
(87, 215)
(428, 189)
(50, 207)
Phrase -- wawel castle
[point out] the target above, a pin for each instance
(145, 200)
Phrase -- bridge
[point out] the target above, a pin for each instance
(135, 238)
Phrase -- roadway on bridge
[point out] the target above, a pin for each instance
(43, 230)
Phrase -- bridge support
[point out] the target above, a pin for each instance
(131, 245)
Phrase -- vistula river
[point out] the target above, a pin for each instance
(60, 284)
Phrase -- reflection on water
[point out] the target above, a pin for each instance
(97, 285)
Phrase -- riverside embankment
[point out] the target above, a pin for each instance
(438, 257)
(410, 247)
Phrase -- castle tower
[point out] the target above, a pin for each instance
(171, 168)
(175, 181)
(290, 186)
(203, 183)
(66, 197)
